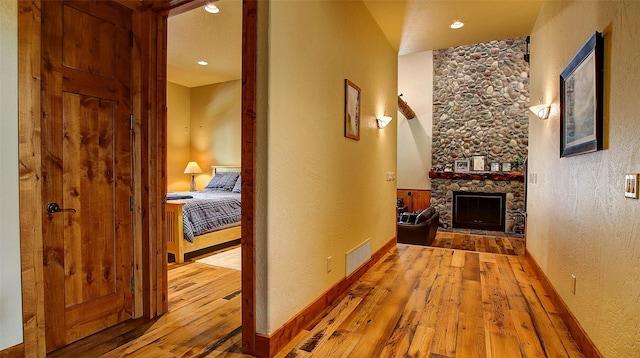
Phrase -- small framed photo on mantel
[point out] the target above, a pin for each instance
(461, 165)
(478, 163)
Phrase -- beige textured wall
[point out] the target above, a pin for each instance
(215, 127)
(322, 194)
(204, 125)
(10, 288)
(579, 221)
(178, 136)
(415, 82)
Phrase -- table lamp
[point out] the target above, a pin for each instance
(192, 168)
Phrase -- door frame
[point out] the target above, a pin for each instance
(148, 90)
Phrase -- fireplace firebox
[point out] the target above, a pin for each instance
(481, 211)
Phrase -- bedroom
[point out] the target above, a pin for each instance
(203, 118)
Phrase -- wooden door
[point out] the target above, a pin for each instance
(86, 166)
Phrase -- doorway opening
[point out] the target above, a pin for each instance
(204, 146)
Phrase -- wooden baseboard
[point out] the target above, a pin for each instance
(268, 346)
(577, 332)
(13, 352)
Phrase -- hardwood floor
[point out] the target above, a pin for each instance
(505, 245)
(429, 302)
(417, 302)
(204, 320)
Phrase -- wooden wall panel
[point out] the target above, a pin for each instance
(415, 199)
(249, 92)
(16, 351)
(30, 155)
(149, 110)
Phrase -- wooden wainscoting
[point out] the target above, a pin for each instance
(415, 199)
(13, 352)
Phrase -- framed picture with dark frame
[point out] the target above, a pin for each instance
(351, 110)
(581, 100)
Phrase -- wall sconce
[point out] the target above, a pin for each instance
(192, 168)
(211, 7)
(383, 121)
(541, 110)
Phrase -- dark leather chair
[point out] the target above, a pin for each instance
(418, 228)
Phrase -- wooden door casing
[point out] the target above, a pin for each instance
(86, 165)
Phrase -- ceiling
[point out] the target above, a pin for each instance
(409, 25)
(198, 35)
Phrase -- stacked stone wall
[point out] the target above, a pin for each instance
(480, 101)
(481, 98)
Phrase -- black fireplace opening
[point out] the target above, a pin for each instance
(481, 211)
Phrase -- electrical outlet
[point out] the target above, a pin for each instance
(329, 263)
(573, 287)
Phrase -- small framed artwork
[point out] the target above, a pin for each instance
(495, 167)
(631, 185)
(581, 100)
(461, 165)
(478, 162)
(351, 110)
(506, 166)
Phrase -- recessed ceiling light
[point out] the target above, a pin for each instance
(456, 25)
(203, 63)
(212, 9)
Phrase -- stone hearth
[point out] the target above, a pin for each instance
(511, 183)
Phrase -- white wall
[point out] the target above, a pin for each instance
(320, 194)
(10, 286)
(579, 221)
(415, 82)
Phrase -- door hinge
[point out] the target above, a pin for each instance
(131, 121)
(133, 283)
(131, 39)
(130, 203)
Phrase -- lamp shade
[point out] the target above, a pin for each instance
(192, 168)
(383, 121)
(541, 110)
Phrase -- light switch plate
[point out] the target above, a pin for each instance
(391, 176)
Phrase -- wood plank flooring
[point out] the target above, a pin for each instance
(429, 302)
(204, 320)
(417, 302)
(505, 245)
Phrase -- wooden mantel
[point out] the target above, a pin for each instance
(495, 176)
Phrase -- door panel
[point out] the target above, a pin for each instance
(86, 164)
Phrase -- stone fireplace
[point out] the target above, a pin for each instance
(480, 100)
(510, 184)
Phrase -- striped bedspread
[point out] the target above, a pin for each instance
(208, 211)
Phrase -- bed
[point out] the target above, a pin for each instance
(198, 220)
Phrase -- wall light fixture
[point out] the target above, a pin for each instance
(211, 7)
(383, 121)
(541, 110)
